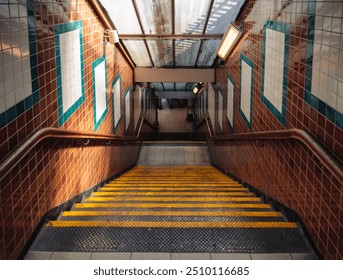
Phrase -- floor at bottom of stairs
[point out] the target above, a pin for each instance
(42, 255)
(199, 245)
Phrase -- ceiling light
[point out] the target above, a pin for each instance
(197, 88)
(228, 42)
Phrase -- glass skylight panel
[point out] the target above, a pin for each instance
(168, 86)
(222, 14)
(186, 52)
(157, 86)
(123, 16)
(138, 53)
(208, 52)
(180, 86)
(156, 16)
(190, 16)
(161, 52)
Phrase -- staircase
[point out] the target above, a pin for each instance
(172, 209)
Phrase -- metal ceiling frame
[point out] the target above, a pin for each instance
(170, 36)
(173, 37)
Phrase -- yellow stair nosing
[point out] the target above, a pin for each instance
(172, 205)
(78, 213)
(171, 193)
(116, 189)
(164, 224)
(173, 198)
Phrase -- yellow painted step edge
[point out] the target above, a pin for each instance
(170, 193)
(172, 205)
(173, 198)
(228, 189)
(172, 213)
(171, 224)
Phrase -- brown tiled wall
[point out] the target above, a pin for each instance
(56, 171)
(286, 171)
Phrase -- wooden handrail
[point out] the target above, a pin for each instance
(325, 157)
(52, 133)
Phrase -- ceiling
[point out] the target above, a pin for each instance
(172, 33)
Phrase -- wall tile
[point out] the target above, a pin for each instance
(306, 186)
(54, 171)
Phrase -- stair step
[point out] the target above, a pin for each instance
(123, 199)
(170, 193)
(216, 189)
(164, 224)
(194, 218)
(172, 209)
(172, 205)
(171, 183)
(76, 213)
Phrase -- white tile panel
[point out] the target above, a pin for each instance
(127, 109)
(327, 62)
(100, 90)
(211, 103)
(70, 68)
(245, 102)
(137, 95)
(220, 109)
(116, 92)
(274, 67)
(12, 56)
(230, 101)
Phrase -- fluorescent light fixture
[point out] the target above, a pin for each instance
(228, 42)
(195, 90)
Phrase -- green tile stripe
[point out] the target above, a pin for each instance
(251, 64)
(94, 65)
(60, 29)
(116, 80)
(326, 110)
(284, 28)
(11, 113)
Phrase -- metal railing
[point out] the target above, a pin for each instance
(58, 133)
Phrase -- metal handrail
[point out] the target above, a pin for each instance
(324, 156)
(48, 133)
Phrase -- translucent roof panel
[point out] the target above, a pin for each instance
(208, 53)
(123, 15)
(223, 13)
(181, 86)
(156, 16)
(161, 52)
(190, 16)
(186, 52)
(157, 86)
(168, 86)
(138, 52)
